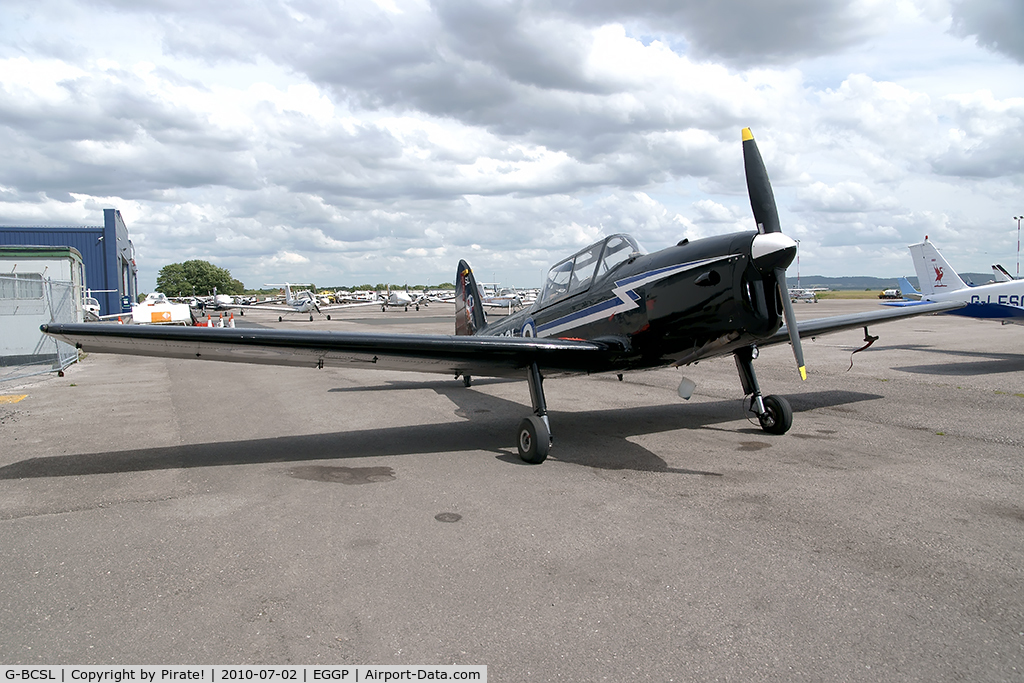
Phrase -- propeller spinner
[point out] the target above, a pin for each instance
(771, 250)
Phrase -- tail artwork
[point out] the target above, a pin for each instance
(469, 310)
(934, 274)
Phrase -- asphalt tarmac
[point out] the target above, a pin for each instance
(178, 512)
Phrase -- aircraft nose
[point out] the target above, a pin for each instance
(772, 250)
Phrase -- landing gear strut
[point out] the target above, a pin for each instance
(773, 412)
(535, 438)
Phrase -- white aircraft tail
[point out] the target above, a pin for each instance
(288, 298)
(934, 274)
(999, 274)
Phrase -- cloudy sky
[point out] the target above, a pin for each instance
(381, 140)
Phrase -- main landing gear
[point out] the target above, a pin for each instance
(535, 438)
(773, 412)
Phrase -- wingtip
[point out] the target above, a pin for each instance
(747, 135)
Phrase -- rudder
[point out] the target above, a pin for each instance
(469, 311)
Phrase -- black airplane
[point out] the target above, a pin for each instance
(606, 308)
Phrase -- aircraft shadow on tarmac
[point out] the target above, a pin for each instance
(988, 363)
(595, 438)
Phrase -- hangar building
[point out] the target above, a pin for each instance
(107, 254)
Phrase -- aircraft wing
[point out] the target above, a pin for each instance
(357, 304)
(266, 307)
(115, 316)
(838, 323)
(443, 354)
(292, 309)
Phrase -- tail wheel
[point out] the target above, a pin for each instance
(534, 440)
(777, 417)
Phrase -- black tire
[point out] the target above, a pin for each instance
(280, 318)
(467, 380)
(241, 311)
(310, 318)
(383, 309)
(328, 317)
(534, 440)
(778, 415)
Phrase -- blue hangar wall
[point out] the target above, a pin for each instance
(107, 252)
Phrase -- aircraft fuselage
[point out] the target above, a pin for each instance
(664, 307)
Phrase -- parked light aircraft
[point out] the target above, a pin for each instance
(503, 298)
(302, 302)
(216, 302)
(607, 308)
(939, 282)
(397, 299)
(808, 295)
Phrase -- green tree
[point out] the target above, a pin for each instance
(196, 277)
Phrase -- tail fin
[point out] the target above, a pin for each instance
(907, 290)
(469, 310)
(934, 274)
(1000, 274)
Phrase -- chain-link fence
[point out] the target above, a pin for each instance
(28, 300)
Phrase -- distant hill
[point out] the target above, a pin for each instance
(863, 282)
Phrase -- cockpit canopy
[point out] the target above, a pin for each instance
(575, 274)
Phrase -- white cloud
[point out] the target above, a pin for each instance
(395, 136)
(844, 197)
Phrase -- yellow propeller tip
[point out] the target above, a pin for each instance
(747, 135)
(803, 372)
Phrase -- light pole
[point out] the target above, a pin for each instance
(1018, 219)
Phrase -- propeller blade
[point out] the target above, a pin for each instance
(794, 333)
(759, 188)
